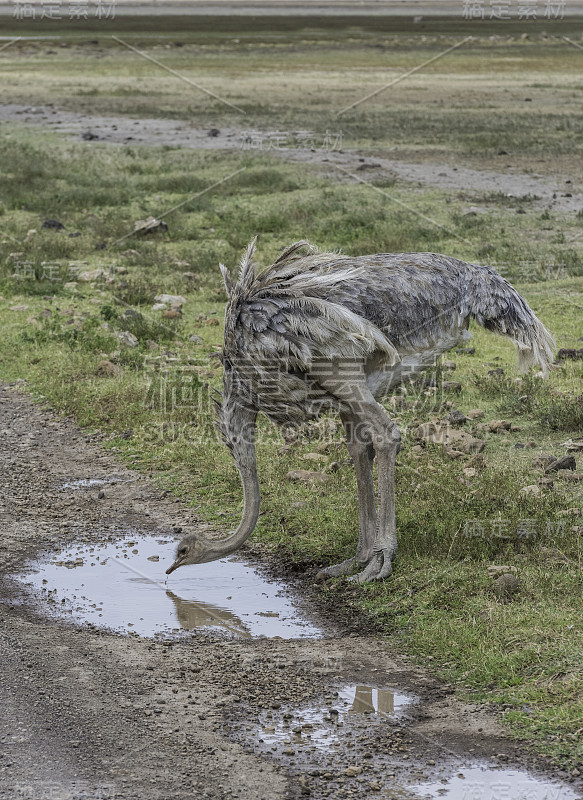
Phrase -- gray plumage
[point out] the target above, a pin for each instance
(322, 330)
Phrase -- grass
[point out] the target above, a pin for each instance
(153, 402)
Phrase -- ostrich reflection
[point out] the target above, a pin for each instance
(194, 614)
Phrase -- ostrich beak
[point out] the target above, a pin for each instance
(177, 563)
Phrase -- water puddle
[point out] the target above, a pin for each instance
(481, 783)
(361, 736)
(121, 585)
(322, 726)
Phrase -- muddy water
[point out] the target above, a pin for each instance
(321, 726)
(122, 585)
(480, 783)
(378, 723)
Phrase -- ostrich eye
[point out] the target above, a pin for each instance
(182, 551)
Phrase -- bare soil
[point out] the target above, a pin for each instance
(544, 191)
(89, 713)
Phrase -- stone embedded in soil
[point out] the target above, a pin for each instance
(107, 369)
(475, 413)
(91, 275)
(569, 353)
(532, 489)
(565, 462)
(545, 483)
(506, 585)
(567, 475)
(498, 425)
(449, 437)
(496, 570)
(127, 338)
(306, 476)
(456, 417)
(543, 461)
(170, 299)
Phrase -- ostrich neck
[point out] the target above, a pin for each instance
(245, 459)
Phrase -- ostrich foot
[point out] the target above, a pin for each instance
(337, 570)
(378, 567)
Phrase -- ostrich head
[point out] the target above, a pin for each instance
(194, 549)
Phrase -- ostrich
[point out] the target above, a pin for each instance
(319, 331)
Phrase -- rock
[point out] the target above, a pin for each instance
(172, 313)
(101, 495)
(565, 462)
(159, 307)
(545, 483)
(542, 461)
(569, 512)
(466, 351)
(351, 772)
(52, 224)
(153, 558)
(19, 308)
(91, 275)
(496, 570)
(213, 132)
(107, 369)
(568, 353)
(475, 413)
(452, 453)
(449, 437)
(577, 530)
(497, 371)
(89, 136)
(305, 476)
(451, 386)
(532, 489)
(506, 585)
(143, 227)
(567, 475)
(189, 276)
(449, 365)
(470, 472)
(70, 285)
(456, 417)
(573, 447)
(498, 425)
(127, 338)
(170, 299)
(196, 339)
(554, 554)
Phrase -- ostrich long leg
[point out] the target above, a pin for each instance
(386, 440)
(362, 454)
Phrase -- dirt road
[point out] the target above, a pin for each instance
(545, 192)
(87, 713)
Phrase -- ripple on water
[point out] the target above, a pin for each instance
(122, 585)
